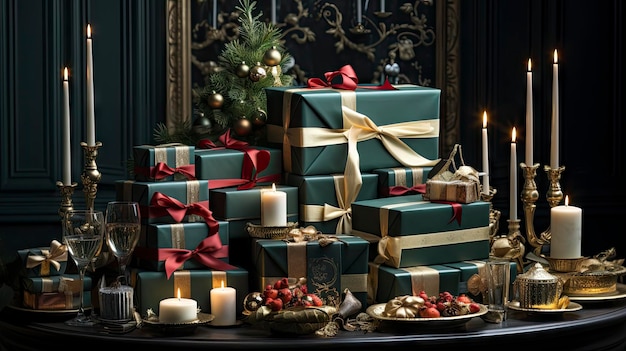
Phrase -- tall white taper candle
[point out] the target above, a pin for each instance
(554, 151)
(67, 153)
(91, 120)
(273, 11)
(513, 192)
(529, 115)
(359, 15)
(485, 155)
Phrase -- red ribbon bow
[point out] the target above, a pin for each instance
(398, 190)
(162, 170)
(178, 210)
(227, 142)
(349, 81)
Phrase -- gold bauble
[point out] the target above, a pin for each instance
(259, 117)
(242, 70)
(242, 127)
(272, 57)
(215, 100)
(257, 73)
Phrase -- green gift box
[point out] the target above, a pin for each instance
(44, 261)
(54, 283)
(329, 269)
(408, 231)
(470, 267)
(152, 287)
(187, 192)
(225, 167)
(180, 236)
(401, 180)
(49, 301)
(310, 125)
(387, 283)
(164, 162)
(322, 206)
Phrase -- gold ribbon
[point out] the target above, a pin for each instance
(296, 259)
(400, 176)
(346, 193)
(424, 278)
(218, 278)
(182, 281)
(54, 256)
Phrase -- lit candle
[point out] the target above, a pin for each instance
(274, 11)
(358, 11)
(178, 310)
(554, 151)
(382, 5)
(485, 156)
(513, 192)
(529, 116)
(273, 207)
(224, 305)
(566, 229)
(91, 129)
(215, 14)
(67, 153)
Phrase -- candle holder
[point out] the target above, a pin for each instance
(529, 196)
(270, 232)
(382, 14)
(510, 246)
(554, 194)
(90, 176)
(66, 197)
(494, 215)
(359, 29)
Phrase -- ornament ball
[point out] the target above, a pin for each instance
(242, 127)
(215, 100)
(242, 70)
(272, 57)
(257, 73)
(259, 117)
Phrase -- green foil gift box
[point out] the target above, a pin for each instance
(330, 265)
(152, 287)
(164, 162)
(399, 181)
(471, 270)
(54, 283)
(161, 238)
(55, 293)
(55, 300)
(407, 231)
(393, 128)
(44, 261)
(325, 201)
(386, 282)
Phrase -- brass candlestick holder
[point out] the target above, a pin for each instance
(90, 176)
(66, 197)
(494, 215)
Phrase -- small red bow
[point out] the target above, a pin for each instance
(207, 253)
(226, 141)
(162, 170)
(178, 210)
(398, 190)
(349, 79)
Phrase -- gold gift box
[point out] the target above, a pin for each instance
(464, 192)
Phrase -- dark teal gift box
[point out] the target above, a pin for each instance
(401, 180)
(413, 232)
(53, 283)
(386, 282)
(470, 267)
(188, 192)
(309, 125)
(152, 287)
(319, 201)
(178, 236)
(44, 261)
(179, 161)
(226, 165)
(329, 269)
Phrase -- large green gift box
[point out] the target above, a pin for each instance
(54, 283)
(387, 283)
(164, 162)
(329, 267)
(44, 261)
(470, 267)
(407, 231)
(398, 181)
(184, 192)
(325, 204)
(152, 287)
(183, 236)
(225, 167)
(398, 127)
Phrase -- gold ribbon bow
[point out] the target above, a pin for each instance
(310, 233)
(53, 256)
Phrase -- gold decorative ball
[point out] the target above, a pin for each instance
(252, 302)
(215, 100)
(272, 57)
(257, 73)
(242, 126)
(242, 70)
(259, 117)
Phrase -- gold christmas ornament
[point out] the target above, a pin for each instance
(272, 57)
(257, 73)
(243, 70)
(242, 126)
(215, 100)
(259, 117)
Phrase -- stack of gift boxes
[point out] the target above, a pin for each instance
(353, 164)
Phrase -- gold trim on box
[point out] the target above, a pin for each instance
(265, 232)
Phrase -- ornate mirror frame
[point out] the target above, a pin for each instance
(179, 101)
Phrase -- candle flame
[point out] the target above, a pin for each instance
(65, 73)
(178, 293)
(513, 134)
(566, 200)
(222, 284)
(273, 186)
(529, 66)
(89, 31)
(556, 57)
(484, 119)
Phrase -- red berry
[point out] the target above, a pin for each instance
(282, 283)
(441, 306)
(474, 307)
(285, 295)
(464, 298)
(276, 305)
(271, 293)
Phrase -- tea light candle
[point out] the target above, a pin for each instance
(223, 305)
(178, 310)
(273, 207)
(566, 228)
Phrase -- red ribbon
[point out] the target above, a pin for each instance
(349, 81)
(162, 204)
(457, 210)
(227, 142)
(398, 190)
(162, 170)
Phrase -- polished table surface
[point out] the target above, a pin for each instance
(599, 325)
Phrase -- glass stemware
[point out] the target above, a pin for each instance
(123, 227)
(83, 233)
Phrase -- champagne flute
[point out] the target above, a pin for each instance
(123, 227)
(83, 234)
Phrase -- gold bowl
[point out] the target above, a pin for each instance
(591, 282)
(565, 264)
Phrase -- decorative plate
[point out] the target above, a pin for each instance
(376, 311)
(179, 328)
(573, 306)
(619, 293)
(45, 315)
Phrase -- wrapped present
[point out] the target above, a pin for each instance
(330, 264)
(152, 287)
(401, 180)
(164, 162)
(166, 241)
(386, 282)
(409, 231)
(460, 191)
(392, 125)
(325, 200)
(55, 300)
(44, 261)
(56, 293)
(54, 283)
(473, 288)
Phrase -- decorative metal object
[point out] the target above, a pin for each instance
(66, 197)
(90, 176)
(266, 232)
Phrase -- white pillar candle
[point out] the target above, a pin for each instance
(178, 310)
(359, 15)
(91, 129)
(566, 229)
(529, 115)
(67, 153)
(554, 150)
(224, 305)
(513, 192)
(273, 207)
(485, 156)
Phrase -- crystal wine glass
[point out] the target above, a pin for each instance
(123, 227)
(83, 234)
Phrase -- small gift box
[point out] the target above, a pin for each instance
(43, 261)
(54, 283)
(399, 181)
(450, 183)
(55, 293)
(55, 300)
(164, 162)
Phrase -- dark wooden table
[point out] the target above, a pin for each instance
(598, 326)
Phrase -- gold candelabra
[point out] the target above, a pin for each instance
(66, 197)
(90, 176)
